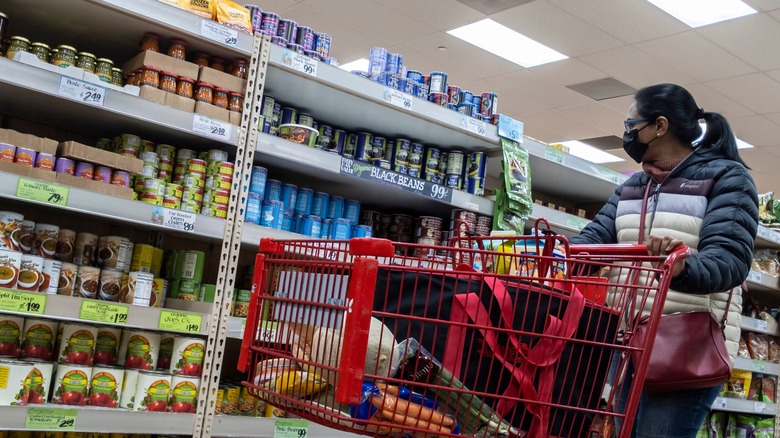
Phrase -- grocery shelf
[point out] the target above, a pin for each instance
(66, 308)
(560, 222)
(763, 287)
(107, 420)
(757, 366)
(236, 327)
(32, 93)
(768, 238)
(744, 406)
(229, 426)
(125, 211)
(758, 326)
(339, 98)
(252, 233)
(315, 167)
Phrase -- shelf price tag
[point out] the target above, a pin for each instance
(720, 403)
(40, 191)
(211, 128)
(175, 219)
(759, 407)
(81, 91)
(300, 63)
(243, 327)
(98, 311)
(398, 98)
(50, 419)
(173, 321)
(760, 325)
(554, 155)
(473, 125)
(510, 128)
(291, 429)
(406, 183)
(13, 301)
(754, 276)
(763, 232)
(759, 366)
(576, 223)
(219, 33)
(268, 331)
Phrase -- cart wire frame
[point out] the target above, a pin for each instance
(322, 296)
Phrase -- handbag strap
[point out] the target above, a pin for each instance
(641, 240)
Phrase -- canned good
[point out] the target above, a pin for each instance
(196, 165)
(335, 207)
(72, 383)
(187, 358)
(432, 160)
(11, 329)
(154, 186)
(105, 386)
(377, 61)
(454, 181)
(271, 215)
(139, 349)
(319, 205)
(50, 275)
(242, 298)
(114, 252)
(488, 104)
(11, 230)
(189, 265)
(159, 292)
(15, 374)
(65, 243)
(10, 263)
(350, 146)
(25, 157)
(164, 358)
(110, 284)
(142, 258)
(78, 344)
(45, 244)
(361, 231)
(43, 161)
(230, 401)
(87, 282)
(172, 203)
(38, 339)
(38, 382)
(438, 83)
(7, 152)
(273, 190)
(254, 207)
(364, 146)
(183, 396)
(107, 345)
(137, 288)
(84, 170)
(67, 278)
(341, 229)
(129, 384)
(258, 180)
(30, 273)
(152, 391)
(25, 236)
(85, 248)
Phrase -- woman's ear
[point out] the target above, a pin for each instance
(661, 125)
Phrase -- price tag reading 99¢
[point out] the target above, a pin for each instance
(299, 62)
(291, 429)
(397, 98)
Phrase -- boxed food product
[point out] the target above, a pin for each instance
(94, 186)
(222, 80)
(154, 94)
(738, 385)
(212, 111)
(179, 102)
(235, 118)
(29, 172)
(80, 152)
(28, 141)
(163, 62)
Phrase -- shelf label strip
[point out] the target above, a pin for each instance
(98, 311)
(554, 155)
(291, 429)
(473, 125)
(174, 219)
(720, 403)
(81, 91)
(13, 301)
(754, 276)
(406, 183)
(219, 33)
(50, 419)
(40, 191)
(398, 98)
(760, 325)
(211, 128)
(180, 321)
(300, 63)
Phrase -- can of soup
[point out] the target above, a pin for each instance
(67, 279)
(10, 263)
(85, 247)
(137, 288)
(30, 273)
(87, 282)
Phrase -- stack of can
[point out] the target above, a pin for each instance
(300, 39)
(219, 181)
(254, 203)
(401, 228)
(484, 225)
(462, 221)
(185, 274)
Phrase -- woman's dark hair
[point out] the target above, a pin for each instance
(678, 106)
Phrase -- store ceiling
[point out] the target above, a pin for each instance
(731, 67)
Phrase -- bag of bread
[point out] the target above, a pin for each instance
(234, 16)
(202, 8)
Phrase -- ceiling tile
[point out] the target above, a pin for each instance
(635, 68)
(756, 92)
(766, 181)
(774, 74)
(756, 130)
(568, 71)
(712, 100)
(750, 38)
(542, 134)
(527, 84)
(696, 56)
(438, 14)
(775, 118)
(624, 18)
(598, 115)
(278, 6)
(509, 102)
(619, 104)
(556, 121)
(760, 160)
(765, 5)
(556, 29)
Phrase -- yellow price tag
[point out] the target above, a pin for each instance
(99, 311)
(41, 191)
(173, 321)
(50, 419)
(22, 302)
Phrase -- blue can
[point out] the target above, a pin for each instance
(277, 115)
(434, 177)
(475, 186)
(361, 73)
(416, 159)
(476, 165)
(337, 142)
(335, 207)
(432, 160)
(270, 23)
(289, 115)
(466, 97)
(340, 229)
(352, 211)
(297, 48)
(361, 231)
(258, 181)
(287, 220)
(273, 190)
(454, 180)
(378, 146)
(325, 138)
(304, 36)
(394, 63)
(377, 59)
(325, 228)
(312, 54)
(288, 30)
(409, 86)
(467, 109)
(322, 45)
(383, 164)
(279, 41)
(297, 224)
(311, 226)
(289, 196)
(331, 61)
(319, 204)
(272, 215)
(415, 76)
(256, 17)
(488, 104)
(254, 208)
(350, 147)
(304, 202)
(438, 82)
(451, 106)
(363, 147)
(401, 150)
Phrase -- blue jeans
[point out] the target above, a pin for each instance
(677, 414)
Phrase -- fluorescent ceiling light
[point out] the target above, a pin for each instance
(594, 155)
(361, 64)
(697, 13)
(742, 144)
(506, 43)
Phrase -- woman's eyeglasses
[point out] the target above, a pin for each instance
(629, 124)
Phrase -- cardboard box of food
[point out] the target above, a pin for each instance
(179, 102)
(95, 79)
(154, 94)
(222, 80)
(33, 142)
(235, 118)
(94, 186)
(163, 62)
(30, 172)
(212, 111)
(80, 152)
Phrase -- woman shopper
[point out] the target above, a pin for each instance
(700, 195)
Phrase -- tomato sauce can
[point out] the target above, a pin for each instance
(152, 391)
(129, 383)
(14, 392)
(38, 338)
(71, 386)
(187, 358)
(165, 355)
(78, 344)
(107, 345)
(44, 161)
(7, 152)
(25, 157)
(120, 178)
(139, 349)
(183, 397)
(105, 386)
(11, 328)
(38, 382)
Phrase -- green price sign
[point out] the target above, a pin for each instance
(173, 321)
(13, 301)
(103, 312)
(40, 191)
(576, 223)
(50, 419)
(291, 429)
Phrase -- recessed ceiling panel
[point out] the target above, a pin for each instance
(490, 7)
(602, 89)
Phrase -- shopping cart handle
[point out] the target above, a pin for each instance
(623, 249)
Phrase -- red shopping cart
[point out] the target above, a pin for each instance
(515, 336)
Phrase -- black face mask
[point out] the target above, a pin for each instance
(633, 147)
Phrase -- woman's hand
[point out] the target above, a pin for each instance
(657, 246)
